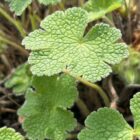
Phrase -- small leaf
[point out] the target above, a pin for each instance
(20, 80)
(45, 110)
(99, 8)
(60, 44)
(18, 6)
(106, 124)
(135, 109)
(46, 2)
(9, 134)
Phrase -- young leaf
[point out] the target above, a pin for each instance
(60, 44)
(45, 110)
(106, 124)
(135, 109)
(18, 6)
(98, 8)
(9, 134)
(20, 80)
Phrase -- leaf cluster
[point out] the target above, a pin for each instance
(62, 52)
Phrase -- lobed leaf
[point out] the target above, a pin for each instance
(61, 45)
(135, 109)
(9, 134)
(99, 8)
(45, 109)
(106, 124)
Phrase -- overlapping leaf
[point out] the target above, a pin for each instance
(61, 44)
(106, 124)
(45, 110)
(135, 109)
(98, 8)
(18, 6)
(9, 134)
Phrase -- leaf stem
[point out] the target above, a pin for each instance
(81, 2)
(108, 21)
(83, 108)
(13, 21)
(94, 86)
(62, 6)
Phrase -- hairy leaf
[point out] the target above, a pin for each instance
(106, 124)
(135, 109)
(98, 8)
(61, 44)
(18, 6)
(20, 80)
(9, 134)
(45, 110)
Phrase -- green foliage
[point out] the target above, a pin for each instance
(61, 44)
(9, 134)
(106, 124)
(20, 80)
(64, 44)
(99, 8)
(18, 6)
(46, 2)
(135, 109)
(109, 124)
(128, 69)
(45, 109)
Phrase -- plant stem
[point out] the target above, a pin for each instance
(5, 61)
(16, 46)
(81, 2)
(13, 21)
(108, 21)
(94, 86)
(83, 108)
(33, 22)
(62, 6)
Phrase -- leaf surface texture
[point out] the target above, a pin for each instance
(61, 44)
(106, 124)
(9, 134)
(135, 109)
(45, 109)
